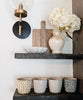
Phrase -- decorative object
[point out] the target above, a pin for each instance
(24, 85)
(70, 85)
(40, 85)
(42, 36)
(37, 50)
(55, 85)
(65, 21)
(21, 29)
(56, 43)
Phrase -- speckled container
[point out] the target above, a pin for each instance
(40, 85)
(55, 85)
(70, 85)
(24, 85)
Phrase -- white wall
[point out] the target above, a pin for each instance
(11, 68)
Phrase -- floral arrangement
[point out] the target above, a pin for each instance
(63, 20)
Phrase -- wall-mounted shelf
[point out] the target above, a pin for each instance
(48, 96)
(47, 56)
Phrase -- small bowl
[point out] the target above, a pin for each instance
(36, 50)
(24, 85)
(40, 85)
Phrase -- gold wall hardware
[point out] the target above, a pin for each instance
(21, 29)
(21, 14)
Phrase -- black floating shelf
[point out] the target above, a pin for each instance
(47, 56)
(48, 96)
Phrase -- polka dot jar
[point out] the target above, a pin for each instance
(70, 85)
(24, 85)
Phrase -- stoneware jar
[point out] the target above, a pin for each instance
(55, 85)
(70, 85)
(56, 43)
(40, 85)
(24, 85)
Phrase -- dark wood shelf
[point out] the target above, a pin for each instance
(48, 96)
(48, 56)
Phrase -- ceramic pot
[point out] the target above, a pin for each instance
(70, 85)
(55, 85)
(56, 43)
(40, 85)
(24, 85)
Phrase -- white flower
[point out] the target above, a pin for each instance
(64, 20)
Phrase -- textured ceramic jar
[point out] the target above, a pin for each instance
(24, 85)
(40, 85)
(56, 43)
(55, 85)
(70, 85)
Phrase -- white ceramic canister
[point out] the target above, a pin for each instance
(55, 85)
(40, 85)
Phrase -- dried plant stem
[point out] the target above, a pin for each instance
(69, 35)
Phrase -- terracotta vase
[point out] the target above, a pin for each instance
(56, 43)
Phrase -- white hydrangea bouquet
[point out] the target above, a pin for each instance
(65, 21)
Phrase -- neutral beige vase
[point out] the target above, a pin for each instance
(55, 85)
(24, 85)
(56, 43)
(40, 85)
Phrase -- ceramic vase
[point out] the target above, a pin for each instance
(56, 43)
(55, 85)
(40, 85)
(24, 85)
(70, 85)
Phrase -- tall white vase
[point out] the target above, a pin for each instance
(56, 43)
